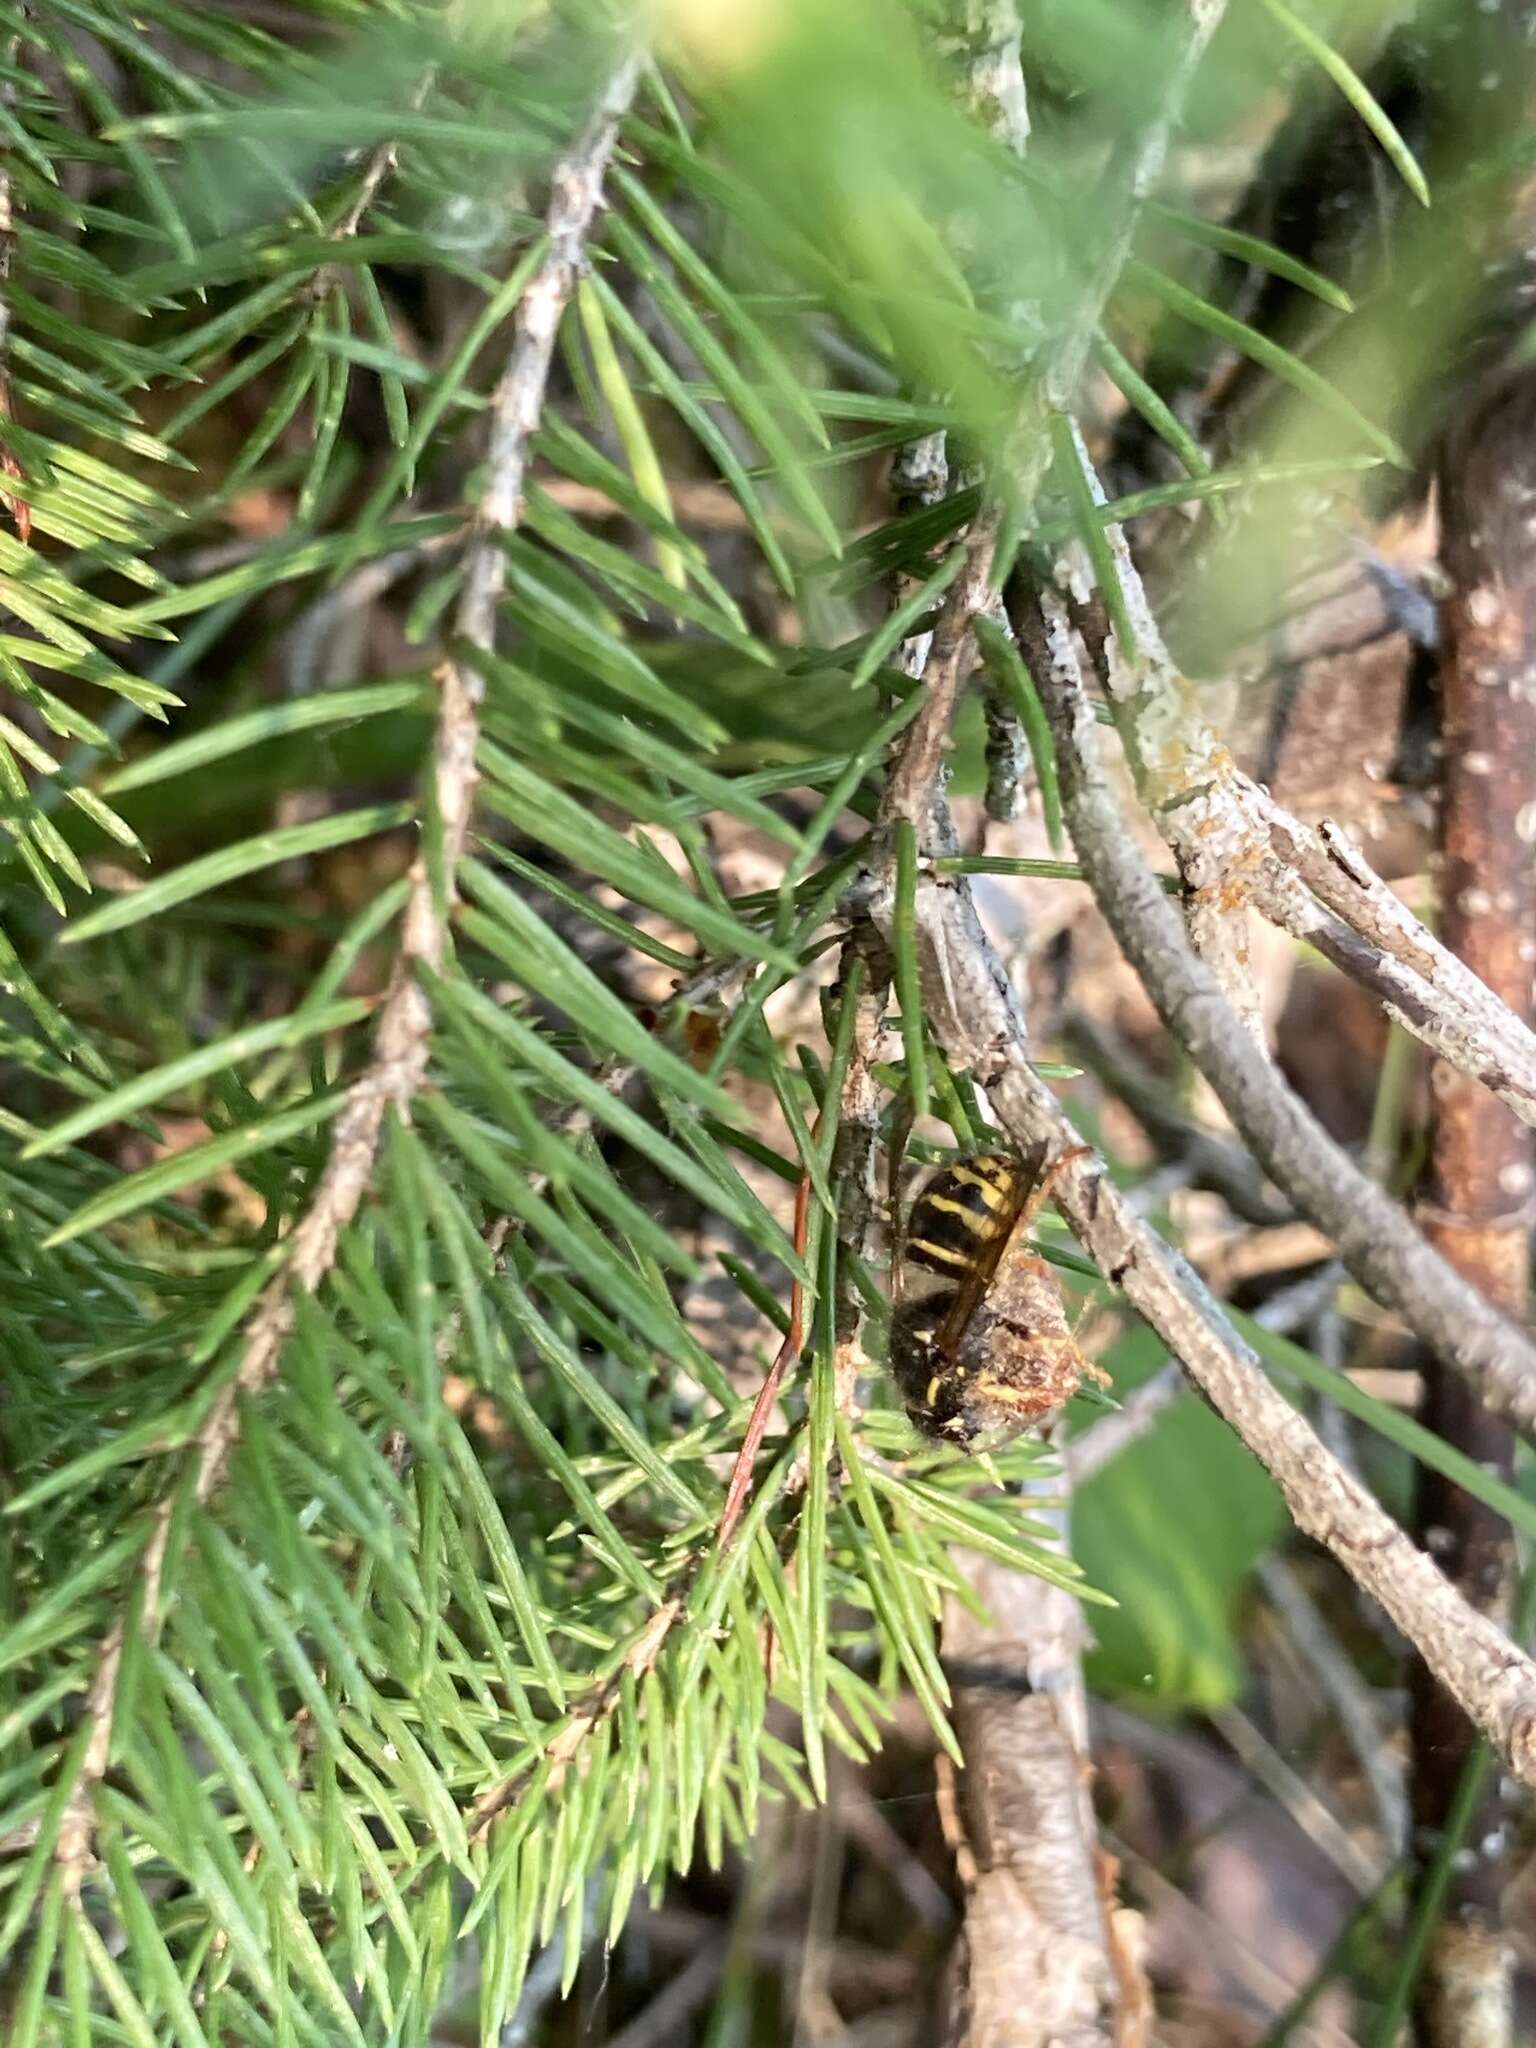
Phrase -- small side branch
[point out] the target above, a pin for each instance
(566, 1745)
(1320, 889)
(916, 776)
(1235, 846)
(380, 166)
(1213, 1162)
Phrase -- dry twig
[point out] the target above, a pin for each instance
(1087, 1455)
(1214, 1162)
(1038, 1965)
(915, 778)
(1320, 889)
(1328, 1668)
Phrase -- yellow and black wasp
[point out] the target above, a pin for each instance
(980, 1343)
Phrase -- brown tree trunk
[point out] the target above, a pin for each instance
(1481, 1164)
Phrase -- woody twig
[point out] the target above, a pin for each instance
(1383, 1250)
(976, 1016)
(1237, 848)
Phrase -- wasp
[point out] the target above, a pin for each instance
(980, 1344)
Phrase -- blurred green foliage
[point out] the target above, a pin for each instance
(1173, 1529)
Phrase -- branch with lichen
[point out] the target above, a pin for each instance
(1236, 847)
(1318, 887)
(1383, 1250)
(1183, 771)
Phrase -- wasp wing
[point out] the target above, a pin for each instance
(972, 1289)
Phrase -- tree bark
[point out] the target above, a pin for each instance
(1478, 1212)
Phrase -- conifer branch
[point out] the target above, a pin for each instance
(397, 1069)
(866, 987)
(263, 1617)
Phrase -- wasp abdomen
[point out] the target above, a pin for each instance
(980, 1345)
(961, 1212)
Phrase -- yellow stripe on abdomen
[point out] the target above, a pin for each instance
(980, 1224)
(943, 1252)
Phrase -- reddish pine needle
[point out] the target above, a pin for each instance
(768, 1393)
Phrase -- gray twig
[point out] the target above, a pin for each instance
(1291, 1792)
(1087, 1455)
(1235, 846)
(1214, 1162)
(1320, 888)
(1474, 1658)
(1332, 1670)
(1381, 1248)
